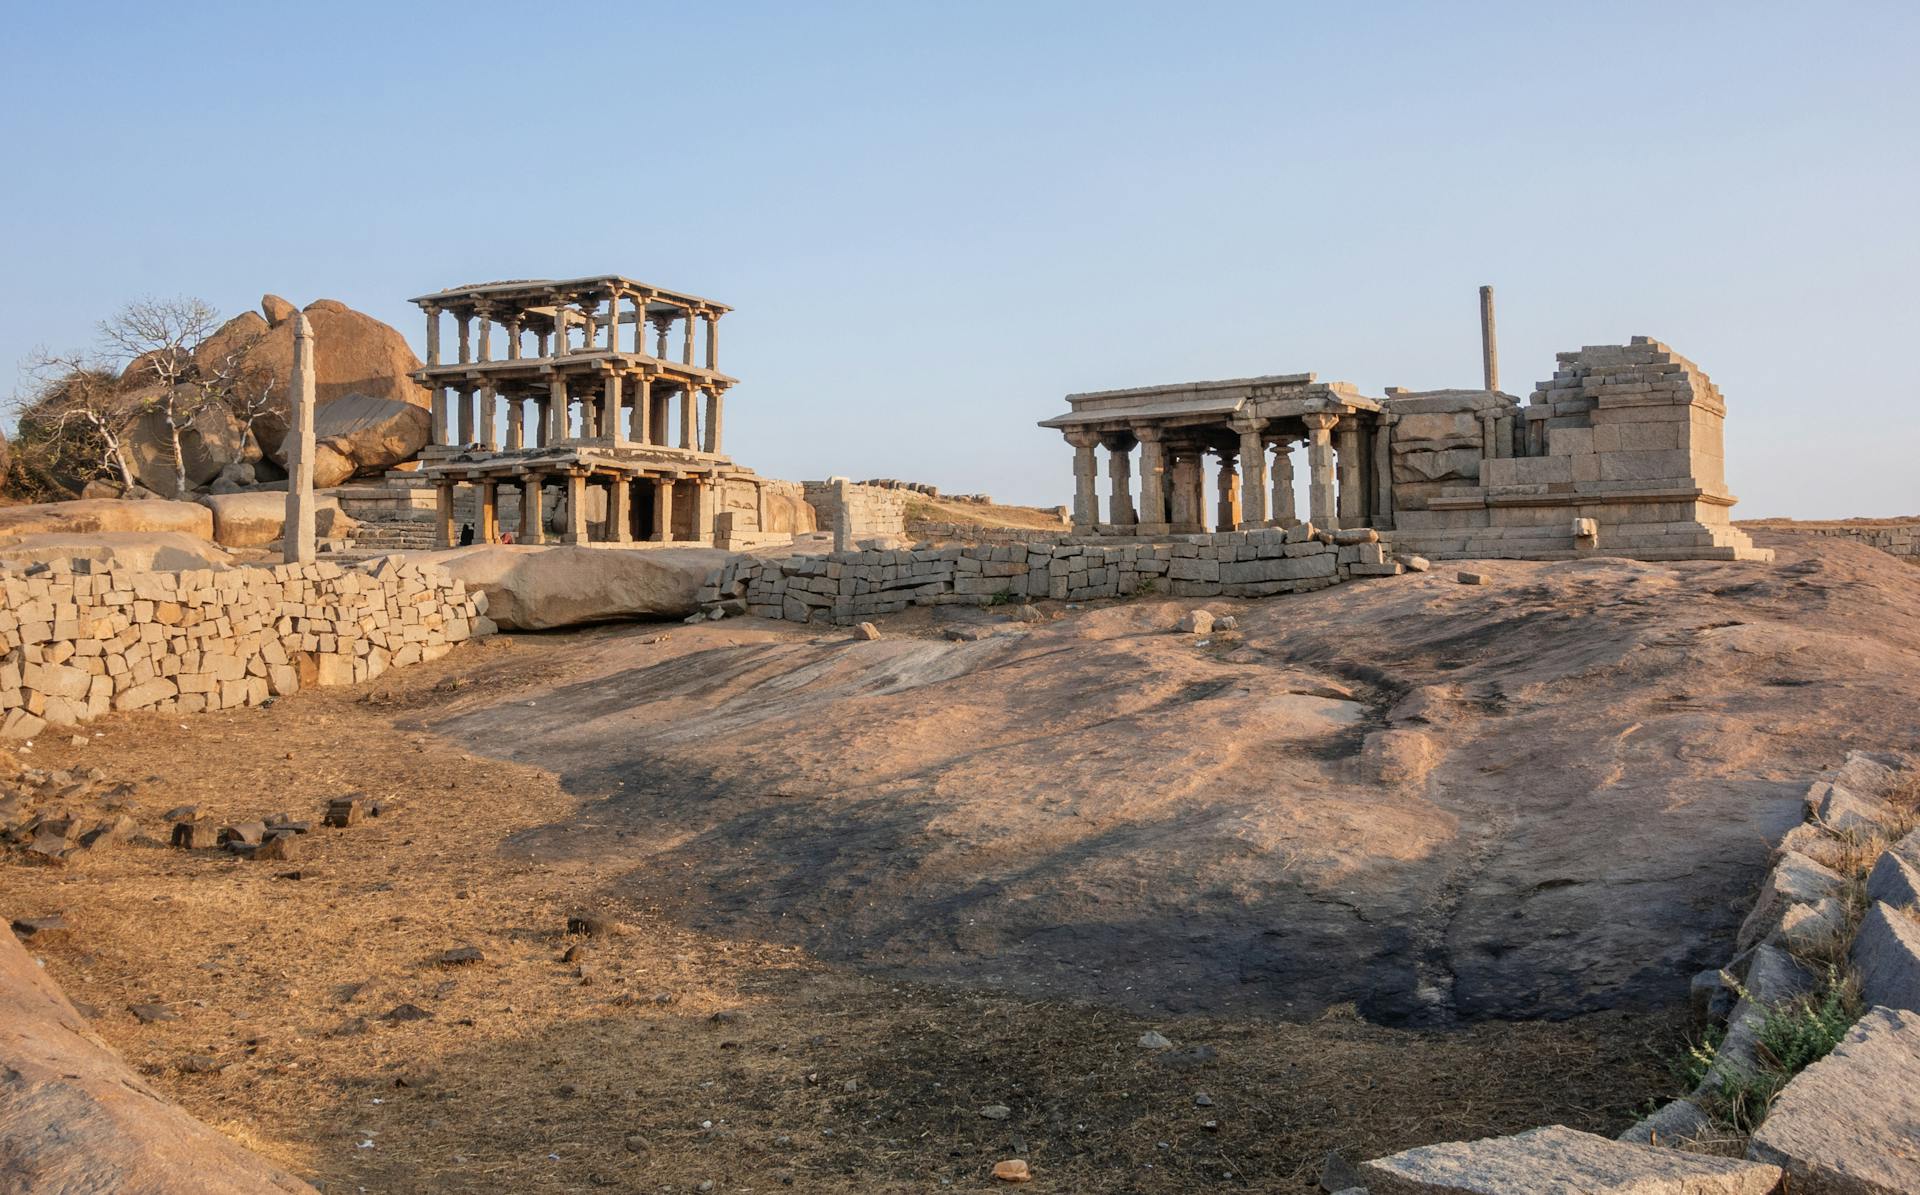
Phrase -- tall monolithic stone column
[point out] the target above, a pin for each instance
(1153, 493)
(1086, 481)
(1253, 472)
(1320, 483)
(296, 537)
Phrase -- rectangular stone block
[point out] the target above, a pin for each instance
(1557, 1159)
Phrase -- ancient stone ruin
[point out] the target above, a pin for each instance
(595, 407)
(1619, 454)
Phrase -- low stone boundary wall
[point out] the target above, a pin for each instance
(977, 533)
(1897, 539)
(80, 640)
(844, 587)
(872, 512)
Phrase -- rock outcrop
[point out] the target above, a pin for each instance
(74, 1117)
(89, 515)
(361, 366)
(165, 551)
(260, 517)
(532, 588)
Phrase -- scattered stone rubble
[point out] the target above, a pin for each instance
(81, 640)
(846, 587)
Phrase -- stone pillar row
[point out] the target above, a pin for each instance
(533, 528)
(1251, 492)
(464, 415)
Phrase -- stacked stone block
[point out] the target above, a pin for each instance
(874, 512)
(846, 587)
(81, 639)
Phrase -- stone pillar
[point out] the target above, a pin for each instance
(1153, 494)
(560, 346)
(516, 415)
(1086, 481)
(663, 510)
(1320, 484)
(1489, 350)
(466, 415)
(703, 493)
(1186, 479)
(433, 335)
(1197, 481)
(620, 510)
(533, 516)
(576, 532)
(713, 343)
(443, 532)
(1253, 472)
(1352, 494)
(1489, 435)
(1283, 512)
(611, 324)
(541, 423)
(662, 410)
(686, 347)
(485, 316)
(487, 518)
(1120, 510)
(540, 342)
(643, 410)
(710, 440)
(1383, 471)
(439, 430)
(1228, 483)
(464, 321)
(489, 418)
(556, 411)
(1503, 436)
(660, 327)
(297, 534)
(689, 416)
(610, 409)
(513, 339)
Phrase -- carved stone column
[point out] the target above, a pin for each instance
(513, 338)
(1320, 484)
(489, 419)
(443, 533)
(1253, 471)
(1227, 514)
(464, 320)
(533, 516)
(663, 509)
(662, 408)
(1086, 494)
(1120, 510)
(466, 415)
(689, 417)
(561, 346)
(486, 518)
(1489, 435)
(516, 417)
(485, 316)
(301, 517)
(556, 411)
(620, 511)
(1283, 504)
(576, 509)
(711, 440)
(433, 335)
(610, 409)
(643, 410)
(686, 345)
(1153, 493)
(713, 343)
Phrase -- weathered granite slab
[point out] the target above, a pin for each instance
(1679, 1121)
(1562, 1161)
(1886, 953)
(1794, 880)
(1850, 1123)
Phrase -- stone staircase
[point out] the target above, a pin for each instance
(377, 536)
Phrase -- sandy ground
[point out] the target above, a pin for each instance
(772, 1015)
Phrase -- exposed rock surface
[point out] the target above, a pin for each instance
(88, 515)
(75, 1118)
(531, 587)
(1847, 1125)
(1119, 813)
(1556, 1159)
(147, 550)
(363, 434)
(1795, 880)
(1886, 953)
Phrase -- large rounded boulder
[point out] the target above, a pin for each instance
(535, 588)
(143, 551)
(259, 517)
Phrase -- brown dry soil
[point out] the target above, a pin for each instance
(869, 889)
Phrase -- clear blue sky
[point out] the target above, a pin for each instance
(935, 220)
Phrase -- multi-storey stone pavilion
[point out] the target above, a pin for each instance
(587, 383)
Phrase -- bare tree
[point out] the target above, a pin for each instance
(161, 341)
(79, 406)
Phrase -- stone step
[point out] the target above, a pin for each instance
(1558, 1159)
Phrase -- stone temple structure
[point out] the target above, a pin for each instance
(1619, 453)
(606, 388)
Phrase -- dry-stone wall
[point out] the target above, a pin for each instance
(81, 639)
(1898, 539)
(844, 587)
